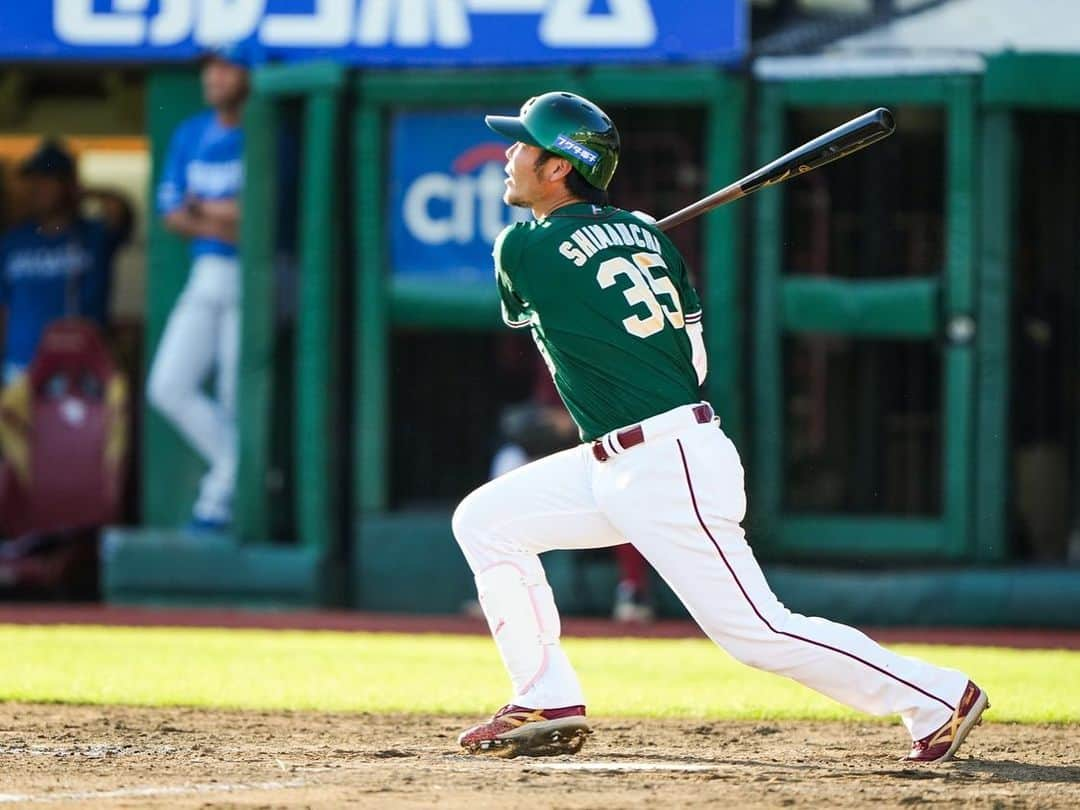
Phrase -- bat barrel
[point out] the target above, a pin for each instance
(836, 143)
(833, 145)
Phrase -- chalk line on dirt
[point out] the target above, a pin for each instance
(150, 792)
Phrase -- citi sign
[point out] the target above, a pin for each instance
(446, 24)
(464, 204)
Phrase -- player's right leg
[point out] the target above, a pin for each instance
(218, 485)
(684, 515)
(184, 358)
(186, 355)
(501, 528)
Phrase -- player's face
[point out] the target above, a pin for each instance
(521, 180)
(224, 84)
(529, 179)
(48, 195)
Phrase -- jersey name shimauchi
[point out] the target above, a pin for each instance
(608, 298)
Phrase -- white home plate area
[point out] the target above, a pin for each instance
(620, 767)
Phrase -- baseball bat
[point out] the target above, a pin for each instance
(847, 138)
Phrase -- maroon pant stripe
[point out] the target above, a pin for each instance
(749, 601)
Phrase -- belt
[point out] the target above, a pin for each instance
(635, 434)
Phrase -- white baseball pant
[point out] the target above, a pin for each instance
(679, 498)
(203, 334)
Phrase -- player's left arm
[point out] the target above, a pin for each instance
(114, 211)
(691, 305)
(694, 329)
(95, 287)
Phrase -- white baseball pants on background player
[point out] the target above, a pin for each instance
(203, 334)
(679, 498)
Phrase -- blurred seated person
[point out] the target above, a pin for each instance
(534, 428)
(57, 263)
(540, 426)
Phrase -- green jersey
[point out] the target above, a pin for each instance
(608, 298)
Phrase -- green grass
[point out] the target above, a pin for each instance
(256, 669)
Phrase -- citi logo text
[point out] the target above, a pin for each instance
(464, 204)
(339, 23)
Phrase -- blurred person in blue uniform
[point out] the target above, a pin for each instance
(58, 263)
(198, 198)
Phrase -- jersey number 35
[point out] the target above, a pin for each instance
(644, 289)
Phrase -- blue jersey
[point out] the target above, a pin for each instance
(48, 276)
(205, 161)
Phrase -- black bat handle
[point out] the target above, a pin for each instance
(834, 144)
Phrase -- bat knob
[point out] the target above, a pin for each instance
(884, 119)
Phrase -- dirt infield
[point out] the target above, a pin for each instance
(60, 756)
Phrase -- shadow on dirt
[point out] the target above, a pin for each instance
(1009, 770)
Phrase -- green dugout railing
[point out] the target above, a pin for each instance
(969, 291)
(383, 301)
(317, 358)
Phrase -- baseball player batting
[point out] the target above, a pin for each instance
(612, 310)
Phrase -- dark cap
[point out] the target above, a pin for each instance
(50, 158)
(246, 53)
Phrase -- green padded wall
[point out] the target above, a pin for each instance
(410, 563)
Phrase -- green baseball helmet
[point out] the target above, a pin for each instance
(570, 126)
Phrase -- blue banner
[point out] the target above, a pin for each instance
(446, 188)
(382, 32)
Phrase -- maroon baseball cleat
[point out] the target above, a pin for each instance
(942, 744)
(515, 731)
